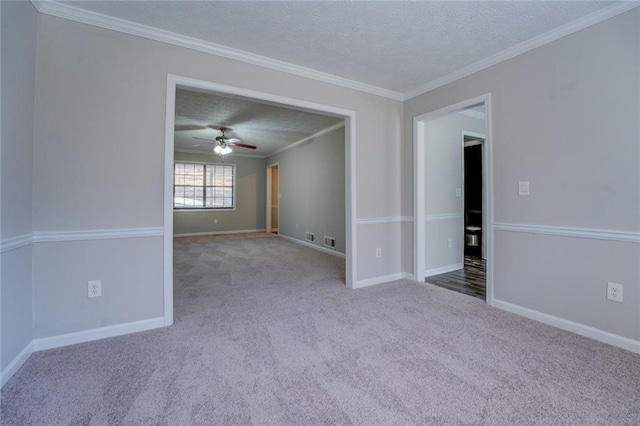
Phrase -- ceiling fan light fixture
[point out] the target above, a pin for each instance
(222, 150)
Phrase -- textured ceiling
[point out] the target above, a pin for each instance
(269, 127)
(395, 45)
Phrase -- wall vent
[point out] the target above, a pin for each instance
(329, 242)
(309, 237)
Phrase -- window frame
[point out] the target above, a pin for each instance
(205, 164)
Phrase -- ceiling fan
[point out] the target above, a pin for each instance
(223, 144)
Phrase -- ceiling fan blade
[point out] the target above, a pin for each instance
(232, 140)
(203, 139)
(202, 144)
(243, 145)
(184, 127)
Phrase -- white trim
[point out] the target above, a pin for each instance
(201, 234)
(72, 13)
(97, 334)
(443, 216)
(473, 113)
(563, 231)
(407, 276)
(66, 11)
(419, 227)
(167, 214)
(308, 138)
(383, 220)
(174, 81)
(379, 280)
(546, 38)
(16, 363)
(574, 327)
(102, 234)
(313, 246)
(443, 269)
(16, 242)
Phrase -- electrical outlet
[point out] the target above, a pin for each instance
(297, 226)
(378, 253)
(523, 187)
(94, 288)
(215, 221)
(458, 192)
(450, 243)
(615, 292)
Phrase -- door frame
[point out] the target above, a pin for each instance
(419, 226)
(485, 198)
(175, 81)
(269, 196)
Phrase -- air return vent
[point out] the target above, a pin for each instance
(329, 242)
(309, 237)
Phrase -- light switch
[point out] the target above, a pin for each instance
(523, 187)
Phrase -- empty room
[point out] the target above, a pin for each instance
(247, 212)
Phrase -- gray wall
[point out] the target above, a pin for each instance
(19, 21)
(565, 118)
(312, 189)
(443, 174)
(249, 213)
(99, 160)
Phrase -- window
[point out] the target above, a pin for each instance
(204, 186)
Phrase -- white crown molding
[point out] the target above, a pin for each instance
(65, 11)
(443, 216)
(103, 234)
(473, 113)
(548, 37)
(562, 231)
(308, 138)
(15, 242)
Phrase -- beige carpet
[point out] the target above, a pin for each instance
(266, 333)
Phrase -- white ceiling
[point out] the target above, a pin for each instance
(269, 127)
(396, 46)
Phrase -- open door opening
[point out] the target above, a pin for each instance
(273, 198)
(452, 184)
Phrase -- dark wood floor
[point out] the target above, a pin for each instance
(471, 280)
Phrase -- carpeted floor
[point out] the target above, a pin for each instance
(266, 333)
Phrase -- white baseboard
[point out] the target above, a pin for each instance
(96, 334)
(581, 329)
(202, 234)
(313, 246)
(407, 276)
(443, 269)
(15, 365)
(379, 280)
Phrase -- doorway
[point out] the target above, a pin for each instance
(173, 83)
(273, 198)
(453, 206)
(474, 195)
